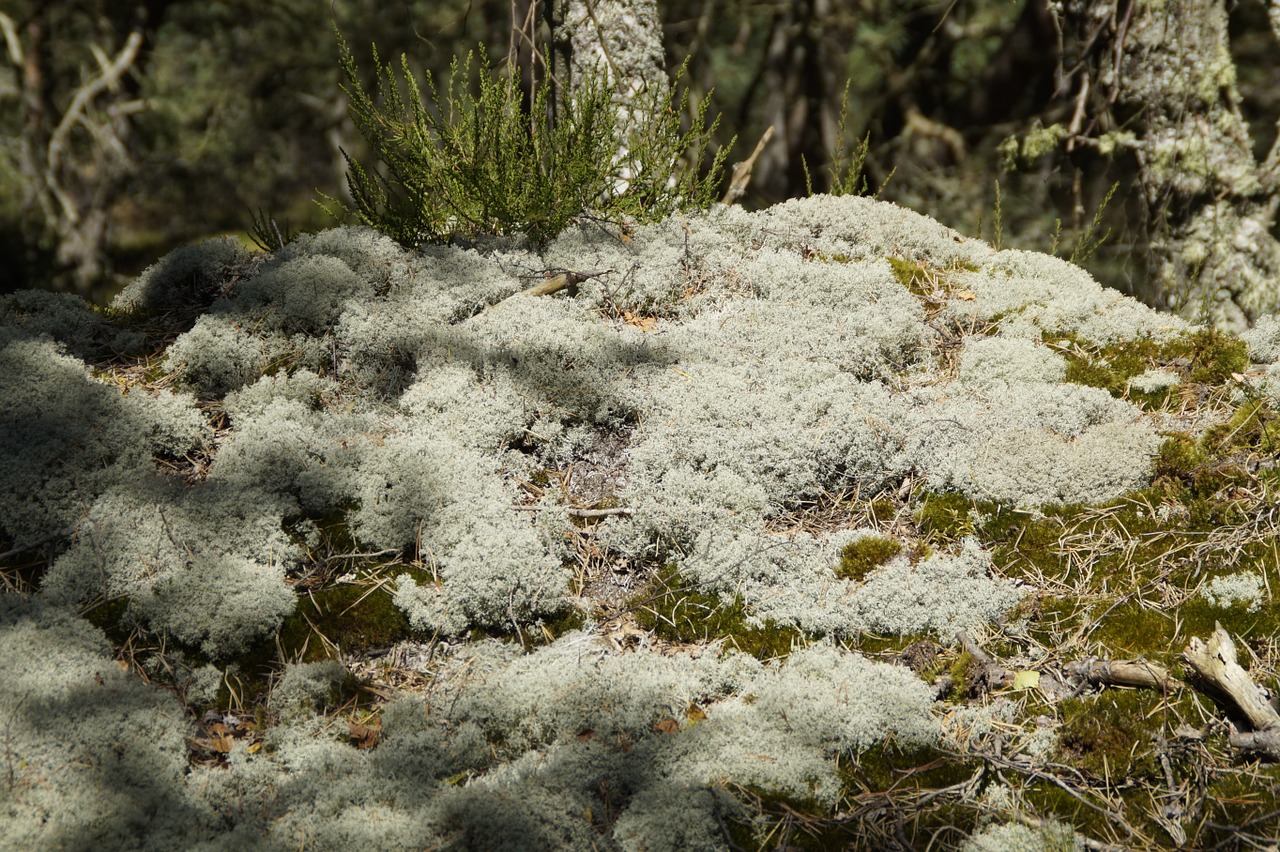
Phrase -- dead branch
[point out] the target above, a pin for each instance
(565, 279)
(1215, 661)
(1266, 743)
(742, 171)
(1136, 673)
(85, 95)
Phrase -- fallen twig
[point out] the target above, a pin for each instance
(563, 280)
(575, 512)
(32, 545)
(1215, 661)
(1137, 673)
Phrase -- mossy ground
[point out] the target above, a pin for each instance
(1205, 357)
(677, 611)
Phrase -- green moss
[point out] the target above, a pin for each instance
(334, 535)
(945, 518)
(544, 632)
(860, 557)
(679, 612)
(1109, 735)
(1179, 458)
(342, 619)
(112, 618)
(1136, 630)
(1201, 357)
(963, 672)
(890, 766)
(1118, 563)
(910, 274)
(1199, 617)
(1214, 355)
(1248, 428)
(1049, 801)
(1235, 800)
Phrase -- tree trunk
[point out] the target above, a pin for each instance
(622, 41)
(1168, 70)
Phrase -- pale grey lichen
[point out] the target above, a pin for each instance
(1039, 291)
(1244, 588)
(449, 502)
(65, 437)
(67, 319)
(549, 739)
(204, 564)
(305, 294)
(1263, 339)
(1049, 836)
(1155, 380)
(95, 757)
(986, 361)
(217, 356)
(791, 580)
(1030, 443)
(673, 819)
(306, 689)
(745, 365)
(186, 277)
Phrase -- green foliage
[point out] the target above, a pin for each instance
(266, 234)
(847, 166)
(1089, 240)
(476, 162)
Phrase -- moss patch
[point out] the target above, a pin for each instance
(678, 611)
(1109, 735)
(860, 557)
(342, 619)
(1207, 357)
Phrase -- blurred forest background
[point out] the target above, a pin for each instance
(127, 128)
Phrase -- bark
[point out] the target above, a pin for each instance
(1168, 79)
(1214, 660)
(622, 41)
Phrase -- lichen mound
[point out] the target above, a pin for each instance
(347, 399)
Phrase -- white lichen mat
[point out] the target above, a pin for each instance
(735, 364)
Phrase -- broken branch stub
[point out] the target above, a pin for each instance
(1215, 661)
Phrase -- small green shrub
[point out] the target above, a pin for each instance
(476, 162)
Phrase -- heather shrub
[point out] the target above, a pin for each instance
(471, 160)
